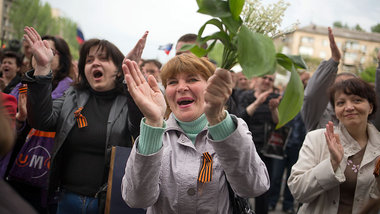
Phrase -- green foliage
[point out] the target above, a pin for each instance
(253, 50)
(369, 74)
(265, 20)
(34, 13)
(216, 53)
(236, 6)
(339, 24)
(375, 28)
(358, 28)
(292, 101)
(255, 53)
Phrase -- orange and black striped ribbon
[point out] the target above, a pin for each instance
(81, 120)
(205, 174)
(23, 89)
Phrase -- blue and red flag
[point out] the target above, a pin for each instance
(167, 48)
(80, 37)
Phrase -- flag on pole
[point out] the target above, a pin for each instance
(80, 37)
(167, 48)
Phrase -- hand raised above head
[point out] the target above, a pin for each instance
(136, 52)
(41, 51)
(219, 89)
(147, 95)
(335, 53)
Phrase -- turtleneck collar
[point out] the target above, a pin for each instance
(193, 127)
(104, 94)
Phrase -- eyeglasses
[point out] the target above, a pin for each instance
(269, 78)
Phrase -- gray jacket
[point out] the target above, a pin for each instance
(166, 181)
(58, 115)
(316, 109)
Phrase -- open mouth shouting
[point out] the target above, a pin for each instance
(185, 102)
(97, 75)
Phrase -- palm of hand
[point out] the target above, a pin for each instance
(151, 103)
(42, 54)
(333, 142)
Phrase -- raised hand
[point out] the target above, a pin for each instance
(335, 54)
(219, 89)
(136, 52)
(147, 95)
(334, 145)
(41, 51)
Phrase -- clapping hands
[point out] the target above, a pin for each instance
(334, 145)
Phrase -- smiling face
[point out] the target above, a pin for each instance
(185, 95)
(265, 83)
(352, 110)
(100, 70)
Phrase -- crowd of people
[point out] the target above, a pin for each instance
(197, 133)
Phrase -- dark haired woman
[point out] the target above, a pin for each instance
(334, 172)
(89, 119)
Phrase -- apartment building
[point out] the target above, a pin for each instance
(358, 49)
(5, 26)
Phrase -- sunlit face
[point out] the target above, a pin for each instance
(9, 67)
(151, 69)
(179, 46)
(100, 71)
(265, 83)
(185, 96)
(352, 110)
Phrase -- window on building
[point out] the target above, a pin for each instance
(322, 55)
(307, 40)
(350, 58)
(306, 51)
(339, 44)
(325, 43)
(363, 48)
(362, 60)
(352, 45)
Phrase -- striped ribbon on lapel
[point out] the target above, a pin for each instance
(23, 89)
(81, 120)
(205, 174)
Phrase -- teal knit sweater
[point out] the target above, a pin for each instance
(150, 140)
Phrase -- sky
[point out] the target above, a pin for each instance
(123, 22)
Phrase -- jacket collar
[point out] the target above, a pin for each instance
(351, 146)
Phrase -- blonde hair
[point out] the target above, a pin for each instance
(187, 63)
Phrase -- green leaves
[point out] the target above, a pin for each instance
(236, 6)
(287, 61)
(292, 100)
(256, 53)
(216, 8)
